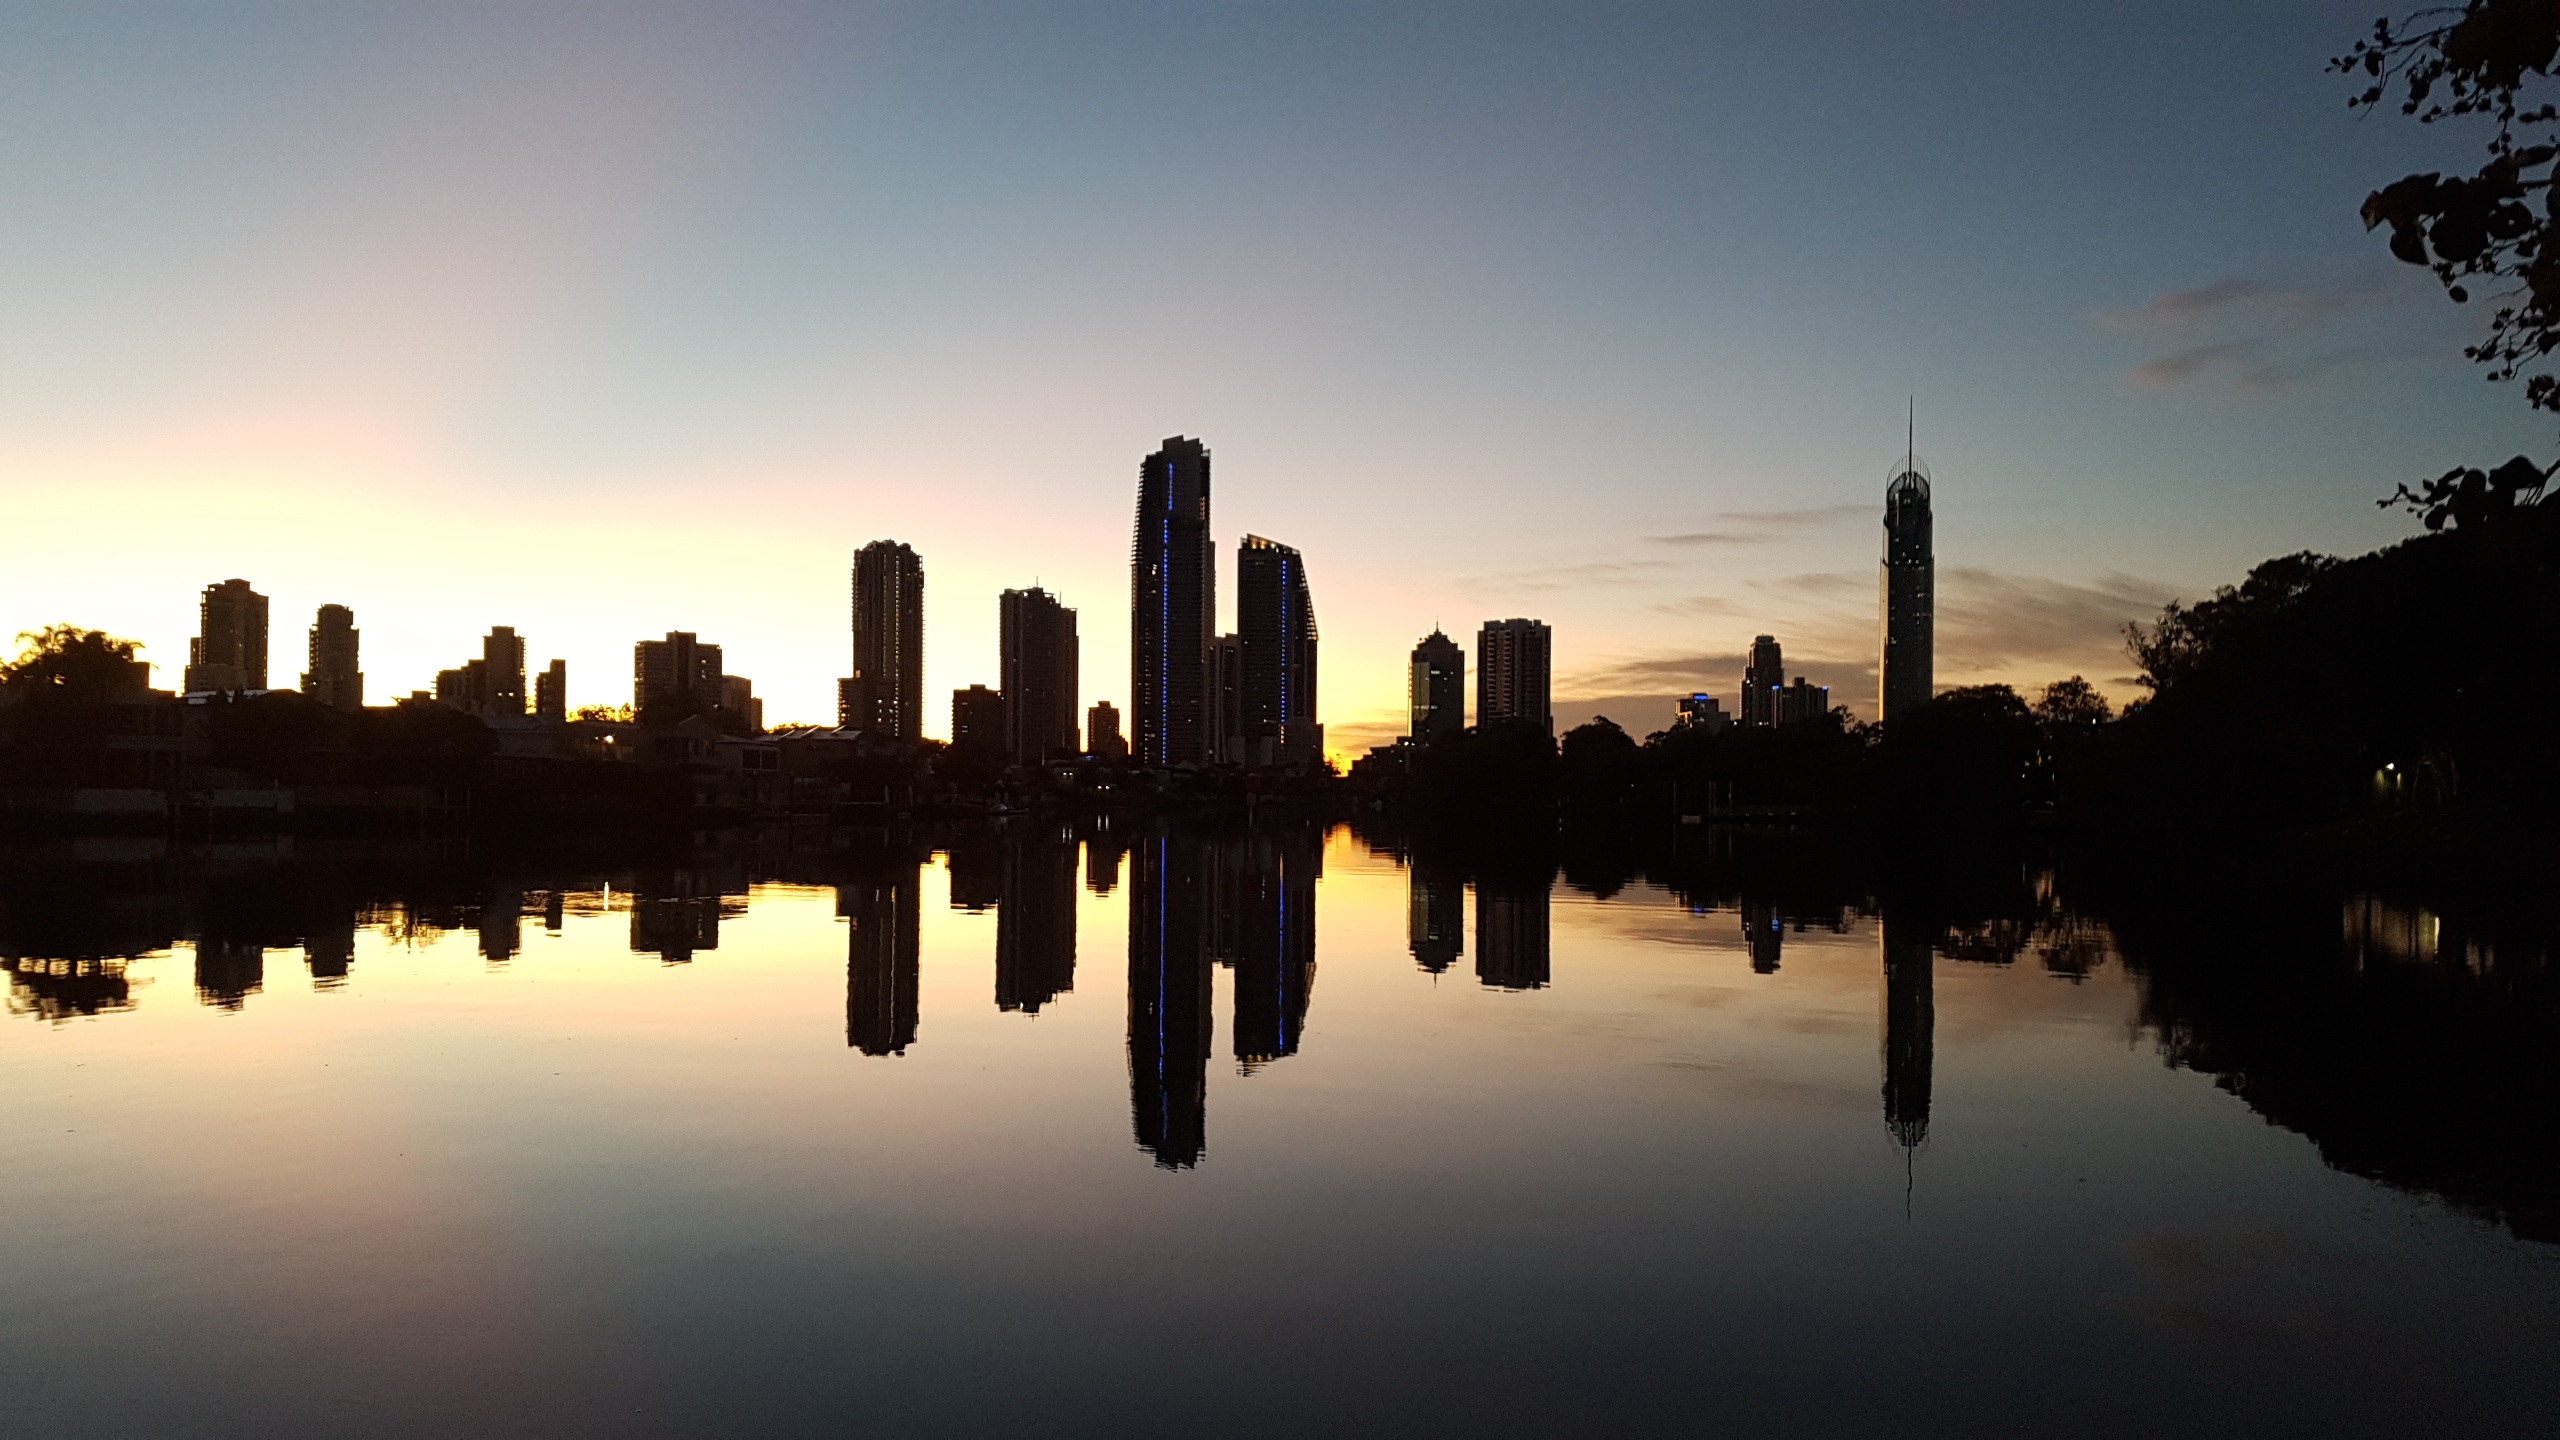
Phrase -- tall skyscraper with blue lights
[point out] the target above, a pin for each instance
(1173, 601)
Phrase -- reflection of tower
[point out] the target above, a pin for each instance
(1436, 907)
(1168, 1002)
(1036, 920)
(228, 972)
(502, 924)
(1910, 1020)
(1271, 885)
(1511, 937)
(1102, 862)
(880, 976)
(976, 861)
(1910, 583)
(670, 925)
(329, 949)
(1765, 930)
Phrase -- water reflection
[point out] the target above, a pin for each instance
(2412, 1043)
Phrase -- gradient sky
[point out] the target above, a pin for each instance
(602, 321)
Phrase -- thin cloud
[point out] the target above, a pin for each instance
(1764, 525)
(2250, 332)
(1709, 537)
(2181, 306)
(2178, 369)
(1565, 577)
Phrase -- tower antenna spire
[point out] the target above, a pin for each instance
(1910, 431)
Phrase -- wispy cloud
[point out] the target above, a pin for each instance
(1759, 527)
(2250, 334)
(1564, 577)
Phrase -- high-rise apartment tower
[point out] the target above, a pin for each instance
(333, 678)
(1037, 671)
(229, 651)
(1514, 665)
(1910, 590)
(886, 693)
(1439, 687)
(1173, 603)
(1276, 634)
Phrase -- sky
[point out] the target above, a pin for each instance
(605, 320)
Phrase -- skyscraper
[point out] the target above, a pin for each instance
(1514, 660)
(503, 652)
(887, 685)
(1803, 700)
(1226, 700)
(1102, 737)
(1762, 678)
(679, 666)
(551, 692)
(977, 720)
(1438, 690)
(1910, 586)
(333, 678)
(229, 651)
(1276, 631)
(1173, 602)
(1037, 671)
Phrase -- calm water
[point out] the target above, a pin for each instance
(1004, 1132)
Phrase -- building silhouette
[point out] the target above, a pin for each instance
(1910, 1026)
(885, 693)
(1037, 674)
(1907, 670)
(738, 697)
(1173, 601)
(229, 651)
(1436, 915)
(1514, 666)
(1276, 631)
(1511, 936)
(1803, 700)
(502, 655)
(977, 720)
(1438, 688)
(1706, 712)
(1763, 676)
(551, 692)
(1226, 700)
(1035, 919)
(883, 968)
(1102, 737)
(679, 668)
(1169, 1000)
(334, 679)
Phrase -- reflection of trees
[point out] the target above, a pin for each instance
(1035, 918)
(2410, 1048)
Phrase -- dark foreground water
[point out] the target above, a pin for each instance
(1002, 1132)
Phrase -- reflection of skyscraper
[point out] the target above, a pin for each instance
(1036, 919)
(672, 926)
(1268, 891)
(1514, 665)
(882, 972)
(229, 651)
(885, 694)
(1437, 690)
(975, 864)
(1038, 674)
(1765, 931)
(1511, 936)
(501, 924)
(1276, 634)
(333, 678)
(1168, 1002)
(228, 972)
(1436, 904)
(1910, 1024)
(1910, 582)
(330, 950)
(1102, 862)
(1173, 605)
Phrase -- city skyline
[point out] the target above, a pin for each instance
(718, 337)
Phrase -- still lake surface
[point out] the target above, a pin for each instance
(1014, 1130)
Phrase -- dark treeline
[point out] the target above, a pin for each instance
(2405, 689)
